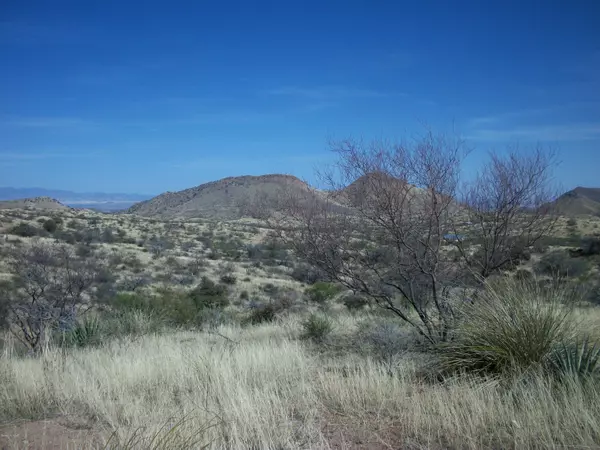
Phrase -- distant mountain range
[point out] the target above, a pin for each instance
(89, 200)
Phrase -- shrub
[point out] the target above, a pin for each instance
(307, 274)
(24, 229)
(262, 313)
(228, 279)
(321, 292)
(355, 302)
(560, 264)
(50, 226)
(386, 341)
(590, 246)
(523, 275)
(571, 222)
(208, 294)
(317, 327)
(510, 327)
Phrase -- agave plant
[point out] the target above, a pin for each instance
(85, 333)
(579, 359)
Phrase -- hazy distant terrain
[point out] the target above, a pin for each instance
(89, 200)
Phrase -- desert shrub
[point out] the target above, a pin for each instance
(590, 246)
(355, 302)
(209, 294)
(255, 252)
(73, 224)
(317, 327)
(24, 229)
(307, 274)
(107, 236)
(385, 341)
(571, 222)
(65, 236)
(83, 251)
(267, 312)
(559, 263)
(511, 327)
(523, 274)
(518, 253)
(244, 295)
(228, 279)
(50, 225)
(321, 292)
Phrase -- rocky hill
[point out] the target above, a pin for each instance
(36, 203)
(228, 198)
(579, 201)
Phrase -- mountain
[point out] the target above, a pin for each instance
(579, 201)
(222, 199)
(45, 203)
(90, 200)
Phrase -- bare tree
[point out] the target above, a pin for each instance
(50, 283)
(506, 210)
(382, 227)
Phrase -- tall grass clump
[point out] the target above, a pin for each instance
(512, 327)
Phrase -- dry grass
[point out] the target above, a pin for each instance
(265, 389)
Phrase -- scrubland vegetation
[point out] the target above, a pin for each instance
(404, 313)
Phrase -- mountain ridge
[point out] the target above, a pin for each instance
(579, 201)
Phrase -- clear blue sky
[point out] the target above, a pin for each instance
(153, 96)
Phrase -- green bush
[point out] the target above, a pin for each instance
(355, 302)
(24, 229)
(50, 225)
(261, 313)
(321, 292)
(560, 263)
(209, 294)
(317, 327)
(511, 327)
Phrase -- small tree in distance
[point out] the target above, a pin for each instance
(391, 214)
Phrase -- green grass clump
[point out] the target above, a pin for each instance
(317, 327)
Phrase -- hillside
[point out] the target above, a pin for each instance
(221, 199)
(37, 203)
(579, 201)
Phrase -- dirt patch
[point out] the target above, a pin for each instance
(52, 434)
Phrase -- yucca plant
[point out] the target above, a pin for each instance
(579, 359)
(86, 333)
(513, 326)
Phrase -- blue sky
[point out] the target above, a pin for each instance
(153, 96)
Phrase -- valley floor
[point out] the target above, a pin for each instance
(262, 387)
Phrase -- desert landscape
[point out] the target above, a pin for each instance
(206, 319)
(299, 225)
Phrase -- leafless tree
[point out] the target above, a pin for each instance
(50, 283)
(382, 227)
(506, 210)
